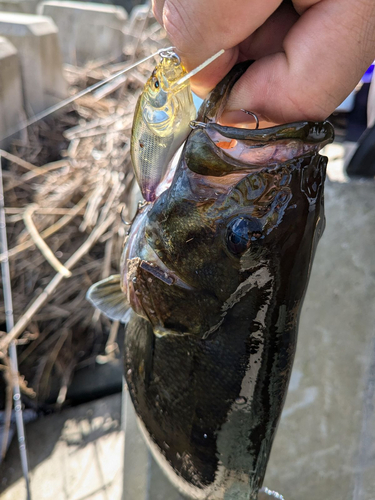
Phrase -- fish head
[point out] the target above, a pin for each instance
(233, 207)
(161, 122)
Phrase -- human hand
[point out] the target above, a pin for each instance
(310, 54)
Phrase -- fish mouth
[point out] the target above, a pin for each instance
(275, 144)
(224, 150)
(141, 265)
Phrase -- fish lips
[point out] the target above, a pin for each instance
(153, 290)
(216, 150)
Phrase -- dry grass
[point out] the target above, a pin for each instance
(67, 181)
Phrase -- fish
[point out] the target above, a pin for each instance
(213, 276)
(161, 122)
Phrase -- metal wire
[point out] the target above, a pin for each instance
(7, 291)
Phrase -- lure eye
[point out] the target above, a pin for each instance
(241, 232)
(156, 83)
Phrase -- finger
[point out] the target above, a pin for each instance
(302, 5)
(325, 54)
(269, 38)
(200, 28)
(157, 9)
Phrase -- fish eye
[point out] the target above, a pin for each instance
(241, 232)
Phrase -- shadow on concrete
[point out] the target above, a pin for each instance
(75, 427)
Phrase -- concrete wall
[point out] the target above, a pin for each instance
(21, 6)
(11, 105)
(87, 31)
(35, 38)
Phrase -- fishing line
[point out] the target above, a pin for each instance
(8, 303)
(69, 100)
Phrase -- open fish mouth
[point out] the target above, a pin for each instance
(266, 146)
(231, 154)
(230, 150)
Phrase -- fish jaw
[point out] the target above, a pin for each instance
(143, 272)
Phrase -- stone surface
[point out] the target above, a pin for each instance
(325, 445)
(74, 455)
(87, 31)
(21, 6)
(35, 38)
(11, 104)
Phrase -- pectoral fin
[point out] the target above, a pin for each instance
(108, 297)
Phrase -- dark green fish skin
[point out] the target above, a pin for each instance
(216, 269)
(187, 391)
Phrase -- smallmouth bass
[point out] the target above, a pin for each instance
(215, 271)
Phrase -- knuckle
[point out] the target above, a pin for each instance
(176, 22)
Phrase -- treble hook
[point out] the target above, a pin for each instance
(254, 116)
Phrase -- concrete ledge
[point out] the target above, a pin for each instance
(35, 38)
(87, 31)
(73, 455)
(11, 105)
(21, 6)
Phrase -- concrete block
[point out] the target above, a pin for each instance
(35, 38)
(75, 454)
(20, 6)
(11, 104)
(87, 31)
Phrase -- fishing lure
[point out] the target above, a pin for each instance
(161, 120)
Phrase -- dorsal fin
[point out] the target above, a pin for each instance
(108, 297)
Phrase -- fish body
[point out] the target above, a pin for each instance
(215, 271)
(161, 122)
